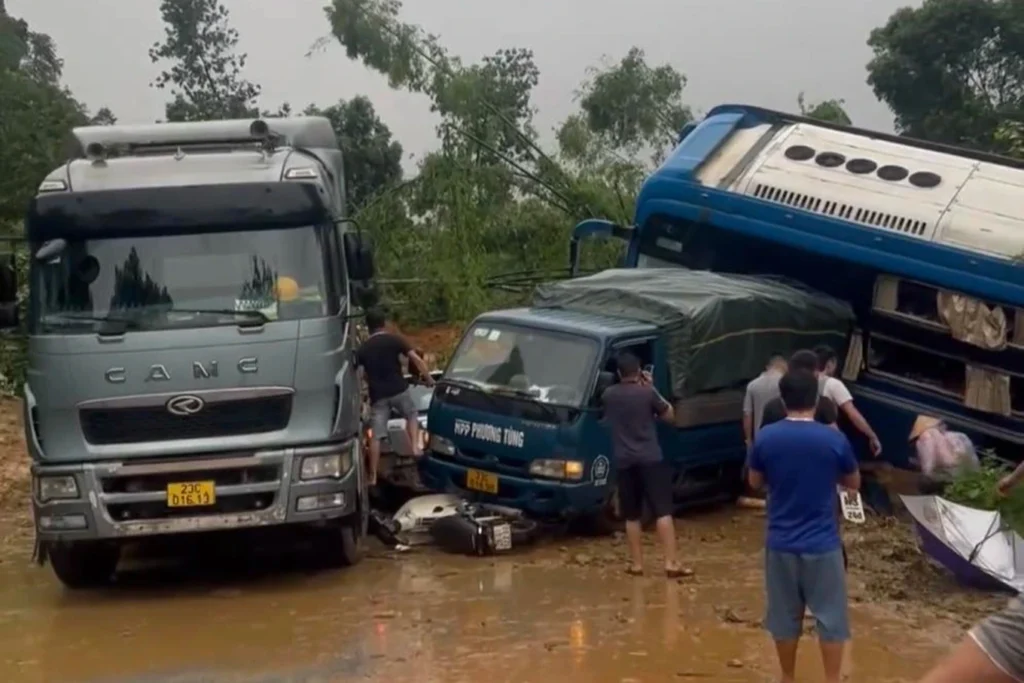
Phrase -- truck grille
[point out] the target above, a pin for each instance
(139, 493)
(107, 426)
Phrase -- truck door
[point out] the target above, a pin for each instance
(644, 349)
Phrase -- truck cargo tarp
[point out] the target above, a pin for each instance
(720, 329)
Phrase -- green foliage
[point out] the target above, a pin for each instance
(831, 111)
(631, 106)
(978, 488)
(951, 70)
(373, 160)
(205, 74)
(35, 113)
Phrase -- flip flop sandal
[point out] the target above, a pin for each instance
(678, 573)
(634, 571)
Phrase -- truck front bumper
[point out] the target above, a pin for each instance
(542, 498)
(128, 499)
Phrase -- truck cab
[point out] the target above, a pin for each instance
(516, 416)
(190, 340)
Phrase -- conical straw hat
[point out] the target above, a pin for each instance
(922, 424)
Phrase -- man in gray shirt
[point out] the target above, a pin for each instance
(631, 409)
(760, 391)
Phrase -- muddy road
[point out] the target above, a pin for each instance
(561, 611)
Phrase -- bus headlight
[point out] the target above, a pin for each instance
(557, 469)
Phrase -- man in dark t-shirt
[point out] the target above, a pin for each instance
(631, 409)
(825, 412)
(379, 357)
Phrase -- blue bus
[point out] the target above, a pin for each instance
(923, 240)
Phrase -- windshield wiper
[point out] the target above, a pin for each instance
(109, 324)
(254, 318)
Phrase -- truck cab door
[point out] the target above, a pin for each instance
(646, 349)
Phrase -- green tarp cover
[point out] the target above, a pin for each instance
(720, 329)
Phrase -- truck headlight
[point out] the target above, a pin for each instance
(57, 488)
(332, 466)
(441, 445)
(557, 469)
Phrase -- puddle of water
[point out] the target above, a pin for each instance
(555, 613)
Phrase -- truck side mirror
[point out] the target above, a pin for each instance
(359, 257)
(8, 292)
(365, 295)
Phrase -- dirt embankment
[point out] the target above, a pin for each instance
(14, 465)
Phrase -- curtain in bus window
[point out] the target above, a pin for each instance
(886, 292)
(987, 390)
(854, 358)
(1018, 326)
(972, 321)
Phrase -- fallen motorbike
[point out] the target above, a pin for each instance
(456, 526)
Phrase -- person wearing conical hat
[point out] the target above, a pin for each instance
(939, 453)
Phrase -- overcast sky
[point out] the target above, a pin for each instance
(742, 51)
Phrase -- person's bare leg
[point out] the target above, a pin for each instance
(832, 658)
(968, 663)
(786, 650)
(667, 535)
(634, 538)
(412, 429)
(371, 475)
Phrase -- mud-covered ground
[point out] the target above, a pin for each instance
(562, 610)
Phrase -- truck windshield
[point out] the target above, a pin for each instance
(547, 366)
(185, 280)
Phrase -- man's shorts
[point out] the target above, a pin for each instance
(650, 482)
(795, 582)
(1001, 637)
(380, 412)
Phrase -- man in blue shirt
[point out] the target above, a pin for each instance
(801, 462)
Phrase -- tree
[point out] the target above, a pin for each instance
(373, 160)
(952, 70)
(33, 54)
(205, 76)
(36, 113)
(489, 193)
(630, 106)
(103, 117)
(831, 111)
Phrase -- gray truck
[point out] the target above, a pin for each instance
(192, 289)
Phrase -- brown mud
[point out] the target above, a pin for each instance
(560, 611)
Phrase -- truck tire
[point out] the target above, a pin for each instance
(343, 544)
(604, 522)
(84, 564)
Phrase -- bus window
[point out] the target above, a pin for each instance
(914, 365)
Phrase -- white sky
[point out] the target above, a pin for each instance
(740, 51)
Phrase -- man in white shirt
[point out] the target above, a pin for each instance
(834, 389)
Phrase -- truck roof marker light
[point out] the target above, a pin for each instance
(53, 186)
(304, 173)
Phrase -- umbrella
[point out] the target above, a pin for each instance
(973, 544)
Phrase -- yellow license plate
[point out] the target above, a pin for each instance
(191, 494)
(482, 481)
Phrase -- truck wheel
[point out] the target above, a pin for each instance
(343, 544)
(84, 565)
(603, 522)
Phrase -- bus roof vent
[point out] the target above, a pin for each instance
(844, 211)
